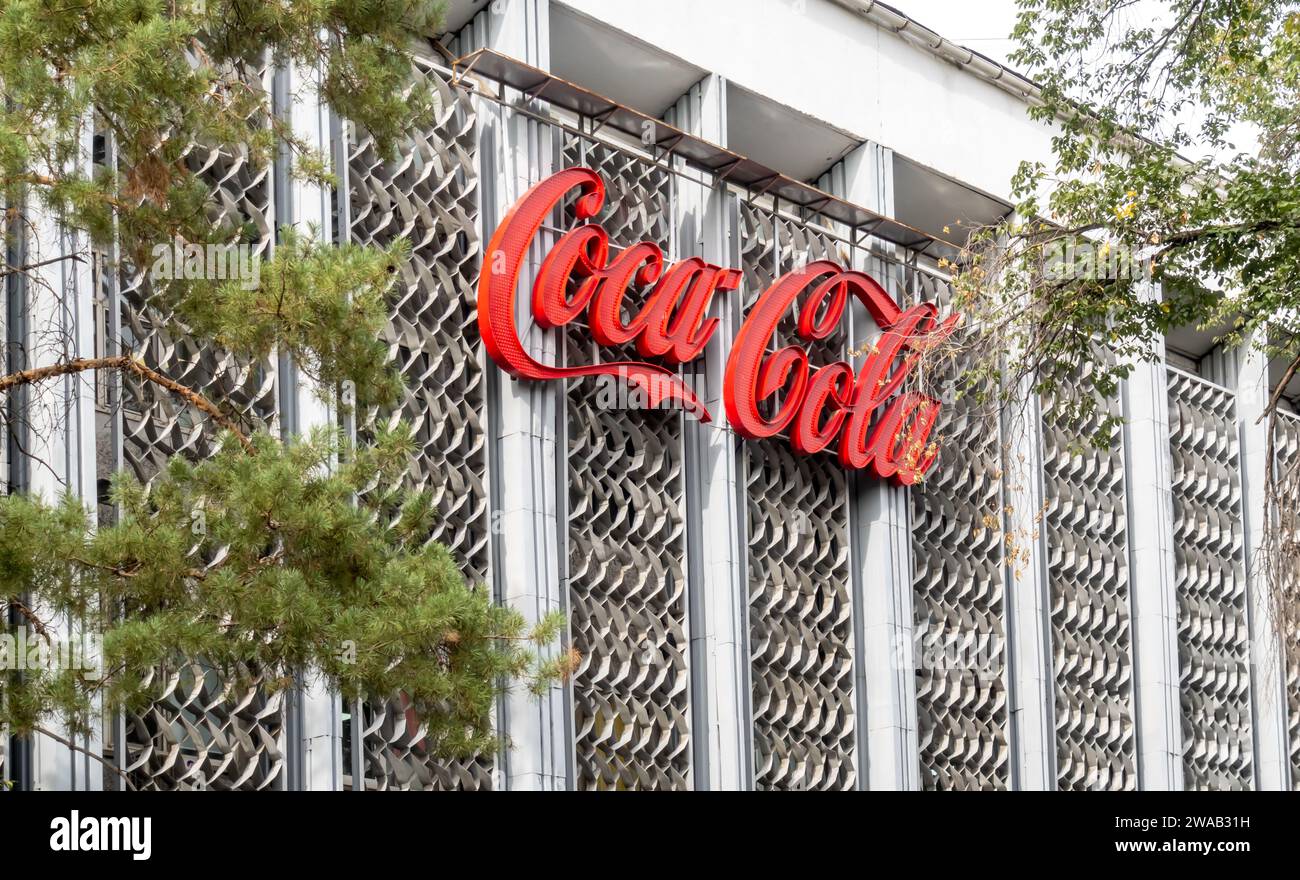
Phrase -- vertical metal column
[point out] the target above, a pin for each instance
(1152, 582)
(884, 620)
(1028, 628)
(115, 459)
(60, 302)
(1267, 663)
(718, 593)
(526, 419)
(315, 720)
(17, 758)
(1029, 654)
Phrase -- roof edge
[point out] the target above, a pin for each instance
(917, 34)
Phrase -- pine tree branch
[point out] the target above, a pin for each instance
(115, 570)
(37, 624)
(129, 364)
(51, 182)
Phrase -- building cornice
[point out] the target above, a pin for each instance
(917, 34)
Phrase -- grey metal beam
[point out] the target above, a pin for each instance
(1152, 581)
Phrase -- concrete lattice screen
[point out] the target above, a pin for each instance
(206, 732)
(626, 531)
(958, 587)
(428, 196)
(203, 731)
(801, 628)
(1085, 522)
(1213, 630)
(1287, 450)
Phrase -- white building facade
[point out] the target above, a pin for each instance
(747, 618)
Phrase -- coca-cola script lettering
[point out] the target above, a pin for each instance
(765, 392)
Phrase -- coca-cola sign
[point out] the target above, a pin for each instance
(767, 391)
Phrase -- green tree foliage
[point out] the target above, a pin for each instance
(161, 77)
(265, 562)
(269, 557)
(1148, 181)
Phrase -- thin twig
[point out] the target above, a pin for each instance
(1278, 390)
(10, 270)
(129, 364)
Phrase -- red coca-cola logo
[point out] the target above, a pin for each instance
(765, 392)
